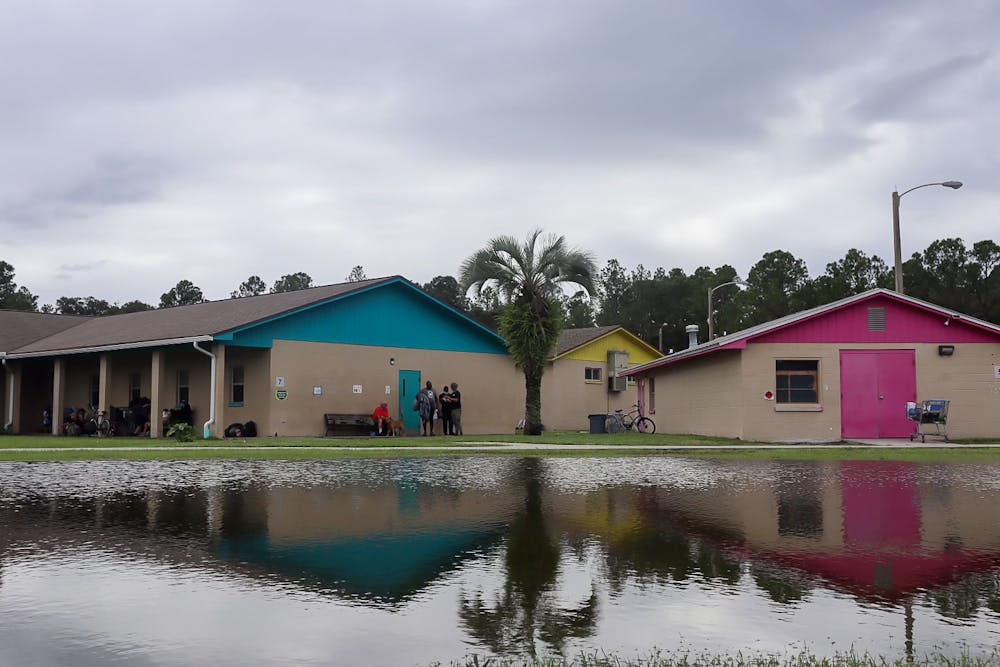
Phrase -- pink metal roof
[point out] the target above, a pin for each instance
(908, 320)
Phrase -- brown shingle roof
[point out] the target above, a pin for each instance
(571, 339)
(185, 322)
(18, 327)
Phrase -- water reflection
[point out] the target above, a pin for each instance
(526, 611)
(529, 556)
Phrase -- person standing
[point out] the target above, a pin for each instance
(444, 400)
(456, 410)
(427, 405)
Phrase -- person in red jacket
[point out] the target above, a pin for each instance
(381, 419)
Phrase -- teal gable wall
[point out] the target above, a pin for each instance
(390, 315)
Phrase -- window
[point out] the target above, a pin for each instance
(652, 396)
(797, 381)
(134, 386)
(95, 390)
(183, 386)
(236, 394)
(591, 374)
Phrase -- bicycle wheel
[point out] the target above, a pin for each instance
(613, 424)
(645, 425)
(104, 428)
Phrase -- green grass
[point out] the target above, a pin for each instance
(750, 659)
(52, 448)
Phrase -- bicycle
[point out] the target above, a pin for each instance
(102, 427)
(620, 421)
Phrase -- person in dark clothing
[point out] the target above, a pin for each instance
(183, 414)
(427, 405)
(444, 400)
(456, 410)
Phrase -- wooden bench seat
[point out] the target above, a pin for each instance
(347, 424)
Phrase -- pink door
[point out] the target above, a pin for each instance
(874, 388)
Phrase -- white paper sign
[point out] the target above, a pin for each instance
(996, 372)
(279, 381)
(357, 389)
(387, 390)
(317, 391)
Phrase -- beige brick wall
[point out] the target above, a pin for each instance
(966, 379)
(492, 388)
(567, 398)
(701, 397)
(765, 420)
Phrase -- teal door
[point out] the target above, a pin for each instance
(409, 386)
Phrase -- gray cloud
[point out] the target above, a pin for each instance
(212, 142)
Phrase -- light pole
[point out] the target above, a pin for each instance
(660, 337)
(711, 290)
(896, 196)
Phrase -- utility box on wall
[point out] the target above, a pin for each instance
(617, 363)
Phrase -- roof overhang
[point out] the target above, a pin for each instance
(112, 348)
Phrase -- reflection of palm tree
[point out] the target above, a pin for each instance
(526, 607)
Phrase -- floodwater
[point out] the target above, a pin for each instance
(414, 561)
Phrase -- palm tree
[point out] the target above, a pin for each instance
(527, 277)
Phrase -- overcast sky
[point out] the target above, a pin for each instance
(147, 142)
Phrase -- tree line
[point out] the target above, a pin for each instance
(184, 293)
(648, 302)
(948, 273)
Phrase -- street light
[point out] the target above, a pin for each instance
(660, 346)
(711, 325)
(896, 196)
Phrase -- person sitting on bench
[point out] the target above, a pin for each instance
(382, 420)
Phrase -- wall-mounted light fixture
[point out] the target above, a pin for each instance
(946, 350)
(392, 361)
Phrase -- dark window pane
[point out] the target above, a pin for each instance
(803, 381)
(803, 396)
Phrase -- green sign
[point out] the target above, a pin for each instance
(281, 394)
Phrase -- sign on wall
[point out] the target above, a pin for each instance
(317, 391)
(357, 389)
(279, 381)
(996, 372)
(281, 394)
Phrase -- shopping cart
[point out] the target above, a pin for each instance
(932, 412)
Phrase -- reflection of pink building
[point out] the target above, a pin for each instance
(884, 551)
(872, 529)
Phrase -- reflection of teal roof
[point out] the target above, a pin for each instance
(388, 567)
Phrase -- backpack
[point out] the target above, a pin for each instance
(250, 429)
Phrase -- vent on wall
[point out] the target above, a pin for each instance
(617, 383)
(876, 318)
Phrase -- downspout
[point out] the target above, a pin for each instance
(206, 429)
(10, 394)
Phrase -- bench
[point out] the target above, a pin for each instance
(351, 424)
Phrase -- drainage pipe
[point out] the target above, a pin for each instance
(10, 394)
(206, 429)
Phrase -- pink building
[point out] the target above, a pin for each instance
(840, 371)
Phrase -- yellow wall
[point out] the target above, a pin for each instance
(597, 350)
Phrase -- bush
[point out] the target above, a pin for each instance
(181, 432)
